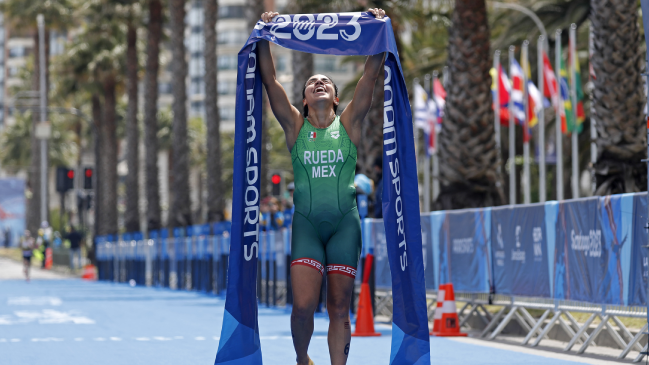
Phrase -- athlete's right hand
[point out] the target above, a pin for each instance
(268, 16)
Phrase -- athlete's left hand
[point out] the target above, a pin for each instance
(378, 13)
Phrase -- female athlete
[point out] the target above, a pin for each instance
(326, 225)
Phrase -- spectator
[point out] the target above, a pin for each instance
(378, 192)
(264, 214)
(75, 238)
(276, 216)
(289, 208)
(7, 237)
(27, 245)
(44, 239)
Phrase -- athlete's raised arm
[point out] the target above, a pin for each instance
(355, 112)
(287, 115)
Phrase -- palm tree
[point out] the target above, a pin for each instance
(618, 97)
(215, 196)
(132, 215)
(21, 15)
(180, 214)
(94, 62)
(468, 159)
(154, 36)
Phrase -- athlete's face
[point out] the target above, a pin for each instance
(319, 89)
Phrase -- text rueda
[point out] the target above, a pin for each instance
(305, 26)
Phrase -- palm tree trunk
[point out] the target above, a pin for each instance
(99, 196)
(618, 97)
(132, 215)
(34, 205)
(109, 157)
(180, 213)
(468, 163)
(215, 194)
(153, 215)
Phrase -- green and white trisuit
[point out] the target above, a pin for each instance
(326, 225)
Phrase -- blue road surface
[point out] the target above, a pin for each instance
(71, 322)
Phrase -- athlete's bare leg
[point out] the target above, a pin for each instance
(306, 283)
(339, 294)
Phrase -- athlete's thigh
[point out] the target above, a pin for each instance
(344, 248)
(306, 284)
(306, 247)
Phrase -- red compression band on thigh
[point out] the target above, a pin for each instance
(341, 269)
(310, 263)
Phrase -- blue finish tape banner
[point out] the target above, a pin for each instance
(519, 251)
(335, 34)
(464, 240)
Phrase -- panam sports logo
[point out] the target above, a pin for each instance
(312, 136)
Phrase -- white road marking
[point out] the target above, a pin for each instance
(100, 339)
(44, 316)
(115, 339)
(160, 338)
(216, 338)
(3, 340)
(200, 338)
(142, 339)
(47, 339)
(54, 301)
(15, 340)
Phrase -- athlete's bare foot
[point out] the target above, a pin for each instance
(309, 363)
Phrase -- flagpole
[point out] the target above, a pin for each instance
(559, 137)
(512, 138)
(434, 131)
(497, 115)
(427, 159)
(593, 122)
(526, 141)
(575, 130)
(541, 142)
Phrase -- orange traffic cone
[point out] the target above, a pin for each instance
(48, 258)
(365, 316)
(89, 272)
(449, 323)
(437, 319)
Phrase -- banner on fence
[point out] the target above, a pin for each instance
(519, 251)
(12, 211)
(464, 239)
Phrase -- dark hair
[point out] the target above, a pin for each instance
(305, 108)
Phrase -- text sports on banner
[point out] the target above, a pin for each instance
(334, 34)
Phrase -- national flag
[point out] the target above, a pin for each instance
(581, 115)
(550, 81)
(536, 102)
(426, 117)
(421, 109)
(567, 119)
(440, 99)
(504, 90)
(518, 91)
(312, 135)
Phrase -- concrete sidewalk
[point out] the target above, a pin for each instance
(13, 270)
